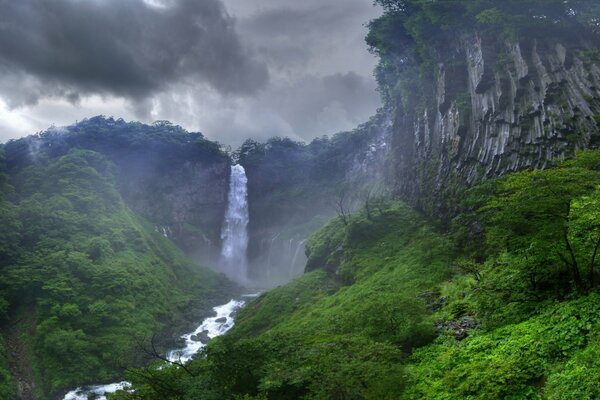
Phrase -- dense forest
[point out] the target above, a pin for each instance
(78, 272)
(452, 242)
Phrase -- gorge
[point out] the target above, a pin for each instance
(447, 248)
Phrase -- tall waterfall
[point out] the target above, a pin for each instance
(234, 233)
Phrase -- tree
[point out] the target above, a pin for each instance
(341, 203)
(548, 218)
(584, 232)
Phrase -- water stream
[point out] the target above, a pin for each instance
(233, 263)
(234, 233)
(194, 341)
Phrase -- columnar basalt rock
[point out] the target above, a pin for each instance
(497, 109)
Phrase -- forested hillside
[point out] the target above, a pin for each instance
(83, 278)
(176, 179)
(448, 248)
(483, 283)
(394, 308)
(294, 187)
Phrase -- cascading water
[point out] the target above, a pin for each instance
(211, 327)
(234, 233)
(234, 263)
(299, 247)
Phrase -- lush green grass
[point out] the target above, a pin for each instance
(388, 261)
(339, 333)
(96, 277)
(277, 305)
(512, 318)
(552, 356)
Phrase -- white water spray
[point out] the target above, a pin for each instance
(211, 327)
(234, 233)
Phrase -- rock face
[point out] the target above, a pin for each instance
(185, 202)
(293, 187)
(497, 109)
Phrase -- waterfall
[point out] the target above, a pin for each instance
(299, 247)
(234, 233)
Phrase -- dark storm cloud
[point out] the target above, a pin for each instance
(288, 35)
(328, 101)
(300, 23)
(126, 48)
(229, 68)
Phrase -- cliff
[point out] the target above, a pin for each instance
(472, 101)
(293, 188)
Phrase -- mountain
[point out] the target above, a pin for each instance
(176, 179)
(479, 89)
(472, 273)
(446, 249)
(84, 276)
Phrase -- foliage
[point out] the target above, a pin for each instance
(272, 307)
(86, 266)
(547, 223)
(292, 183)
(7, 384)
(378, 317)
(153, 164)
(314, 339)
(115, 139)
(533, 359)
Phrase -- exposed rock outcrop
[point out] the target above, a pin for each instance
(496, 110)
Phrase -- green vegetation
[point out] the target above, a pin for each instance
(340, 333)
(293, 187)
(82, 276)
(550, 356)
(413, 36)
(395, 310)
(153, 164)
(290, 180)
(492, 293)
(7, 387)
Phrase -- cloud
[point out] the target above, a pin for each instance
(130, 49)
(316, 105)
(301, 108)
(231, 69)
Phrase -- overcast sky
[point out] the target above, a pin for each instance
(231, 69)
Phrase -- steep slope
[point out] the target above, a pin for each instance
(334, 333)
(7, 387)
(479, 89)
(176, 179)
(393, 309)
(84, 277)
(7, 384)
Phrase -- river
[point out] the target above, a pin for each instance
(194, 341)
